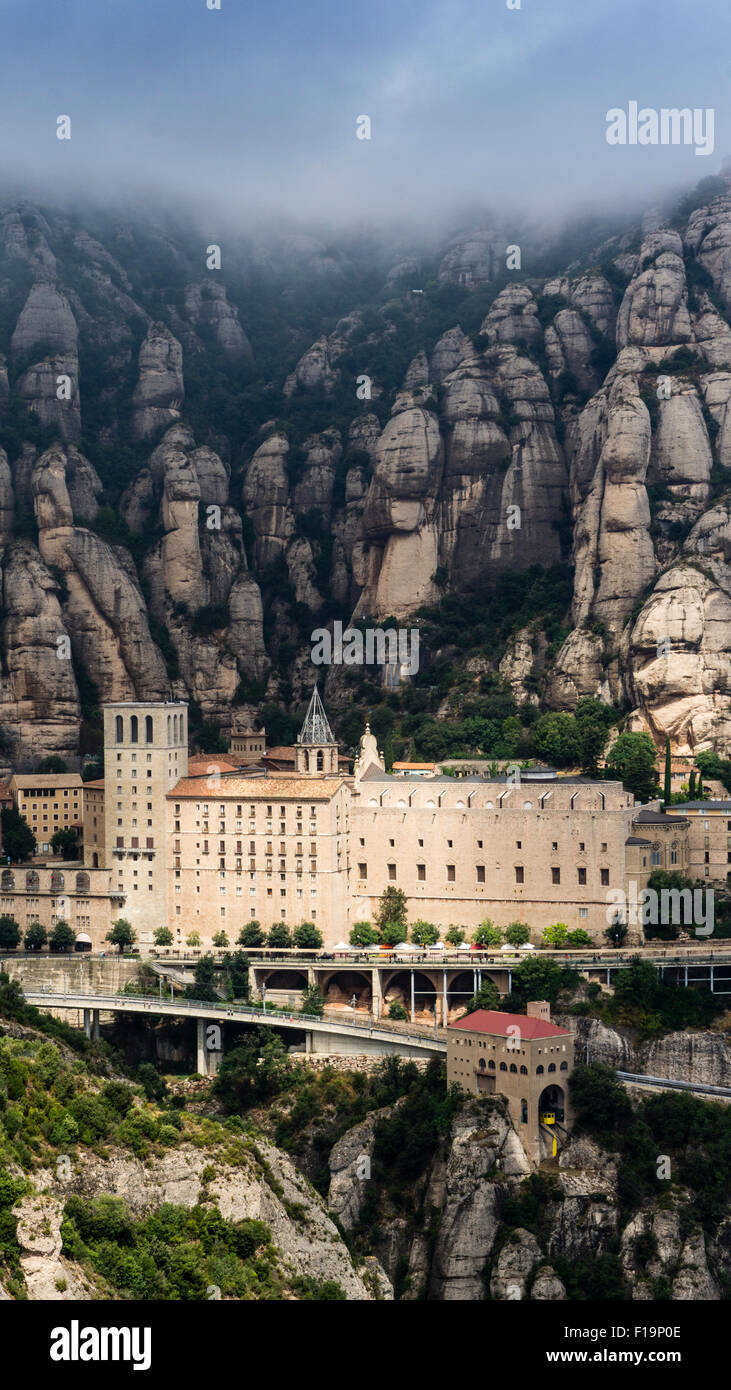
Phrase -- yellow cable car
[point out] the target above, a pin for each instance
(548, 1118)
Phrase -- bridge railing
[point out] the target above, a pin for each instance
(136, 1002)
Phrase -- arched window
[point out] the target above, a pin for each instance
(539, 1071)
(513, 1068)
(491, 1065)
(320, 760)
(564, 1066)
(552, 1066)
(482, 1064)
(133, 732)
(307, 761)
(82, 883)
(503, 1066)
(524, 1112)
(95, 860)
(7, 881)
(148, 728)
(32, 881)
(119, 733)
(168, 728)
(175, 728)
(57, 881)
(527, 805)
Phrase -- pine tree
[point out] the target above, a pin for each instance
(668, 780)
(691, 786)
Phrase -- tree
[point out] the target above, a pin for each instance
(307, 935)
(19, 842)
(313, 1001)
(63, 937)
(557, 935)
(668, 787)
(121, 934)
(9, 933)
(487, 997)
(455, 936)
(392, 908)
(52, 764)
(192, 939)
(220, 938)
(517, 933)
(65, 842)
(93, 770)
(691, 785)
(539, 977)
(397, 1011)
(578, 937)
(424, 933)
(557, 738)
(632, 758)
(592, 720)
(600, 1101)
(487, 934)
(280, 936)
(393, 933)
(251, 934)
(363, 934)
(616, 932)
(36, 937)
(204, 980)
(163, 936)
(237, 969)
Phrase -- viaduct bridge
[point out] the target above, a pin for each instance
(441, 987)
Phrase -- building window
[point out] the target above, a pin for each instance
(480, 873)
(582, 875)
(604, 846)
(119, 730)
(421, 873)
(392, 871)
(555, 875)
(362, 871)
(554, 846)
(519, 876)
(450, 873)
(583, 912)
(604, 875)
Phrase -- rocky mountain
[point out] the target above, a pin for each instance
(198, 467)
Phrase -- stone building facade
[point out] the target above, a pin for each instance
(49, 802)
(202, 845)
(525, 1058)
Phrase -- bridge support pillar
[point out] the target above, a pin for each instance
(95, 1024)
(309, 1041)
(376, 993)
(87, 1022)
(201, 1055)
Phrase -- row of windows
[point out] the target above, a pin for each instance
(204, 806)
(57, 881)
(451, 873)
(176, 728)
(490, 1066)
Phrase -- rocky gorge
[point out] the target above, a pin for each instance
(197, 469)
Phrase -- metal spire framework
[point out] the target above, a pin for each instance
(316, 729)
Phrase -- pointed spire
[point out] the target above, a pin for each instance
(316, 729)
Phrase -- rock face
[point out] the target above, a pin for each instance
(159, 391)
(307, 1245)
(384, 461)
(703, 1057)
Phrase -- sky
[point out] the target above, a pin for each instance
(253, 107)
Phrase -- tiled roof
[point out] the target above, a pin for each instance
(491, 1021)
(53, 780)
(99, 783)
(258, 788)
(657, 818)
(704, 806)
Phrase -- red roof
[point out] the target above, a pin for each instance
(491, 1021)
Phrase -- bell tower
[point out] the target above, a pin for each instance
(316, 751)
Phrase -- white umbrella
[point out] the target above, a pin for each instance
(508, 948)
(528, 946)
(342, 946)
(464, 946)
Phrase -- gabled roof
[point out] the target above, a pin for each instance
(657, 818)
(496, 1023)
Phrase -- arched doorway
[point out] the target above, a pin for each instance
(398, 991)
(551, 1103)
(340, 987)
